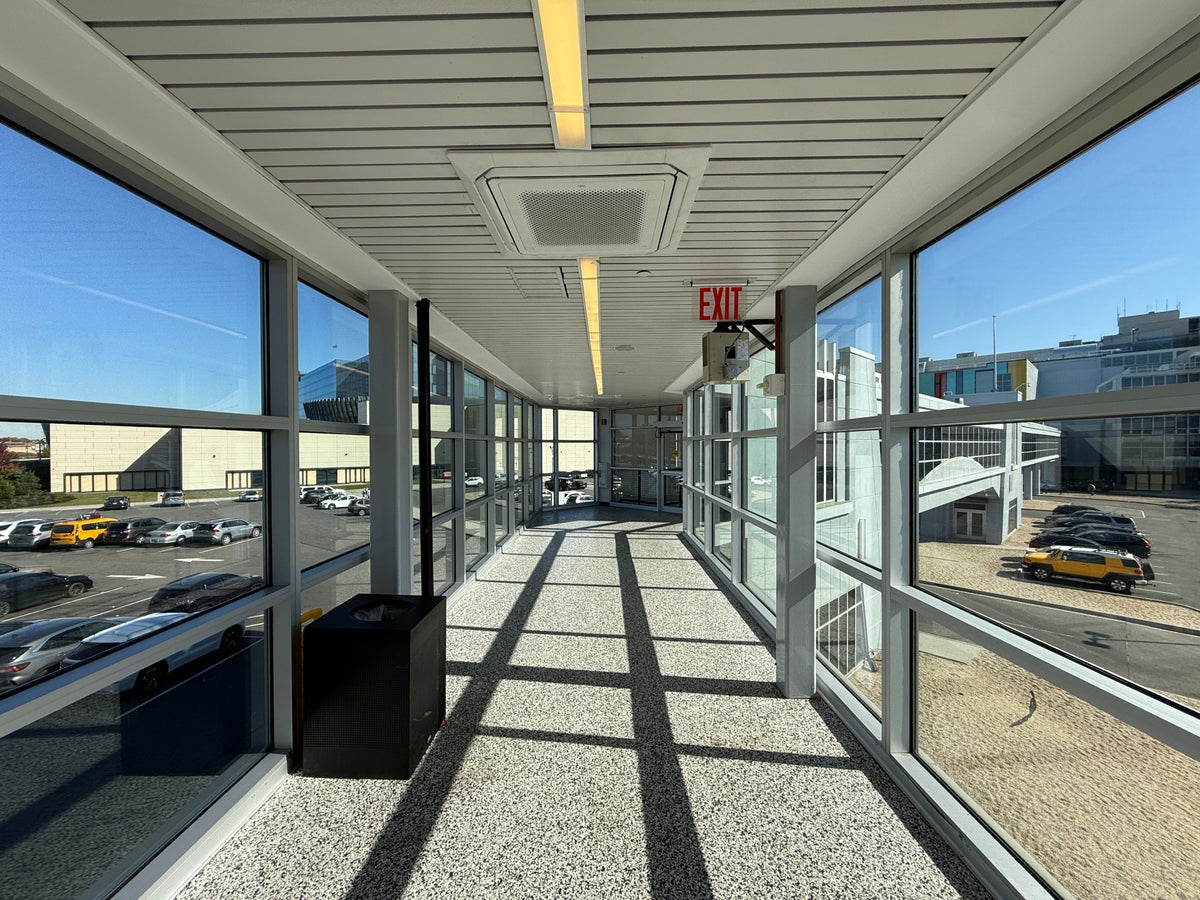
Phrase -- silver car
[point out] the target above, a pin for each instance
(31, 536)
(223, 531)
(171, 533)
(39, 647)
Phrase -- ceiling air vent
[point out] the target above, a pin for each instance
(601, 203)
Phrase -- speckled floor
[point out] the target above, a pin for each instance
(614, 731)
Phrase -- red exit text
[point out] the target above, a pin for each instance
(720, 304)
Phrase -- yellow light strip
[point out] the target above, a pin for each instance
(589, 273)
(560, 33)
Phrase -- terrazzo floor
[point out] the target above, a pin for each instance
(613, 731)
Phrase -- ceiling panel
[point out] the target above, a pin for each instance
(353, 106)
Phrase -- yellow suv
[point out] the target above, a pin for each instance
(79, 532)
(1116, 571)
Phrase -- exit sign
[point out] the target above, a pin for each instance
(721, 304)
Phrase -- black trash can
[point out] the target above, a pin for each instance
(374, 686)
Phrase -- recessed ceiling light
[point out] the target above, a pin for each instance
(643, 273)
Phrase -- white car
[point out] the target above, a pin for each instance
(474, 481)
(171, 533)
(337, 501)
(6, 528)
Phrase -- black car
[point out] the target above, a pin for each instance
(203, 591)
(1066, 509)
(132, 531)
(1109, 520)
(316, 494)
(1095, 538)
(119, 502)
(20, 590)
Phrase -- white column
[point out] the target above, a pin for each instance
(795, 641)
(391, 442)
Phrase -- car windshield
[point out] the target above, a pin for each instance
(88, 649)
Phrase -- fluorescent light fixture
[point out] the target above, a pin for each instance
(589, 273)
(564, 69)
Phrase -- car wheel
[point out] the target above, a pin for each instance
(225, 539)
(75, 589)
(1041, 573)
(231, 640)
(89, 544)
(361, 513)
(255, 532)
(151, 679)
(179, 542)
(1120, 585)
(5, 607)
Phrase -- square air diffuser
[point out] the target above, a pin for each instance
(570, 204)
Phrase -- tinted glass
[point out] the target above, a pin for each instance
(335, 380)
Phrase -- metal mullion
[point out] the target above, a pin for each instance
(1163, 399)
(34, 703)
(312, 426)
(72, 412)
(897, 504)
(1177, 728)
(282, 456)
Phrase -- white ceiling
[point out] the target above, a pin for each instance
(831, 121)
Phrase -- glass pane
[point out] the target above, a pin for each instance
(722, 468)
(698, 464)
(1041, 763)
(335, 380)
(1122, 556)
(476, 535)
(500, 464)
(1043, 328)
(89, 269)
(441, 393)
(165, 742)
(441, 475)
(631, 418)
(635, 447)
(671, 416)
(500, 519)
(477, 469)
(849, 340)
(443, 555)
(341, 465)
(698, 411)
(334, 591)
(758, 555)
(547, 424)
(723, 535)
(759, 409)
(851, 520)
(518, 417)
(500, 411)
(849, 623)
(576, 425)
(698, 518)
(141, 520)
(474, 404)
(518, 457)
(758, 488)
(723, 408)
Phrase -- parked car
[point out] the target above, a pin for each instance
(223, 531)
(205, 590)
(1116, 571)
(5, 568)
(32, 537)
(152, 677)
(474, 481)
(1111, 520)
(172, 498)
(337, 501)
(132, 531)
(250, 496)
(38, 647)
(12, 625)
(1126, 541)
(316, 494)
(171, 533)
(118, 502)
(21, 590)
(7, 528)
(1066, 509)
(360, 506)
(82, 532)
